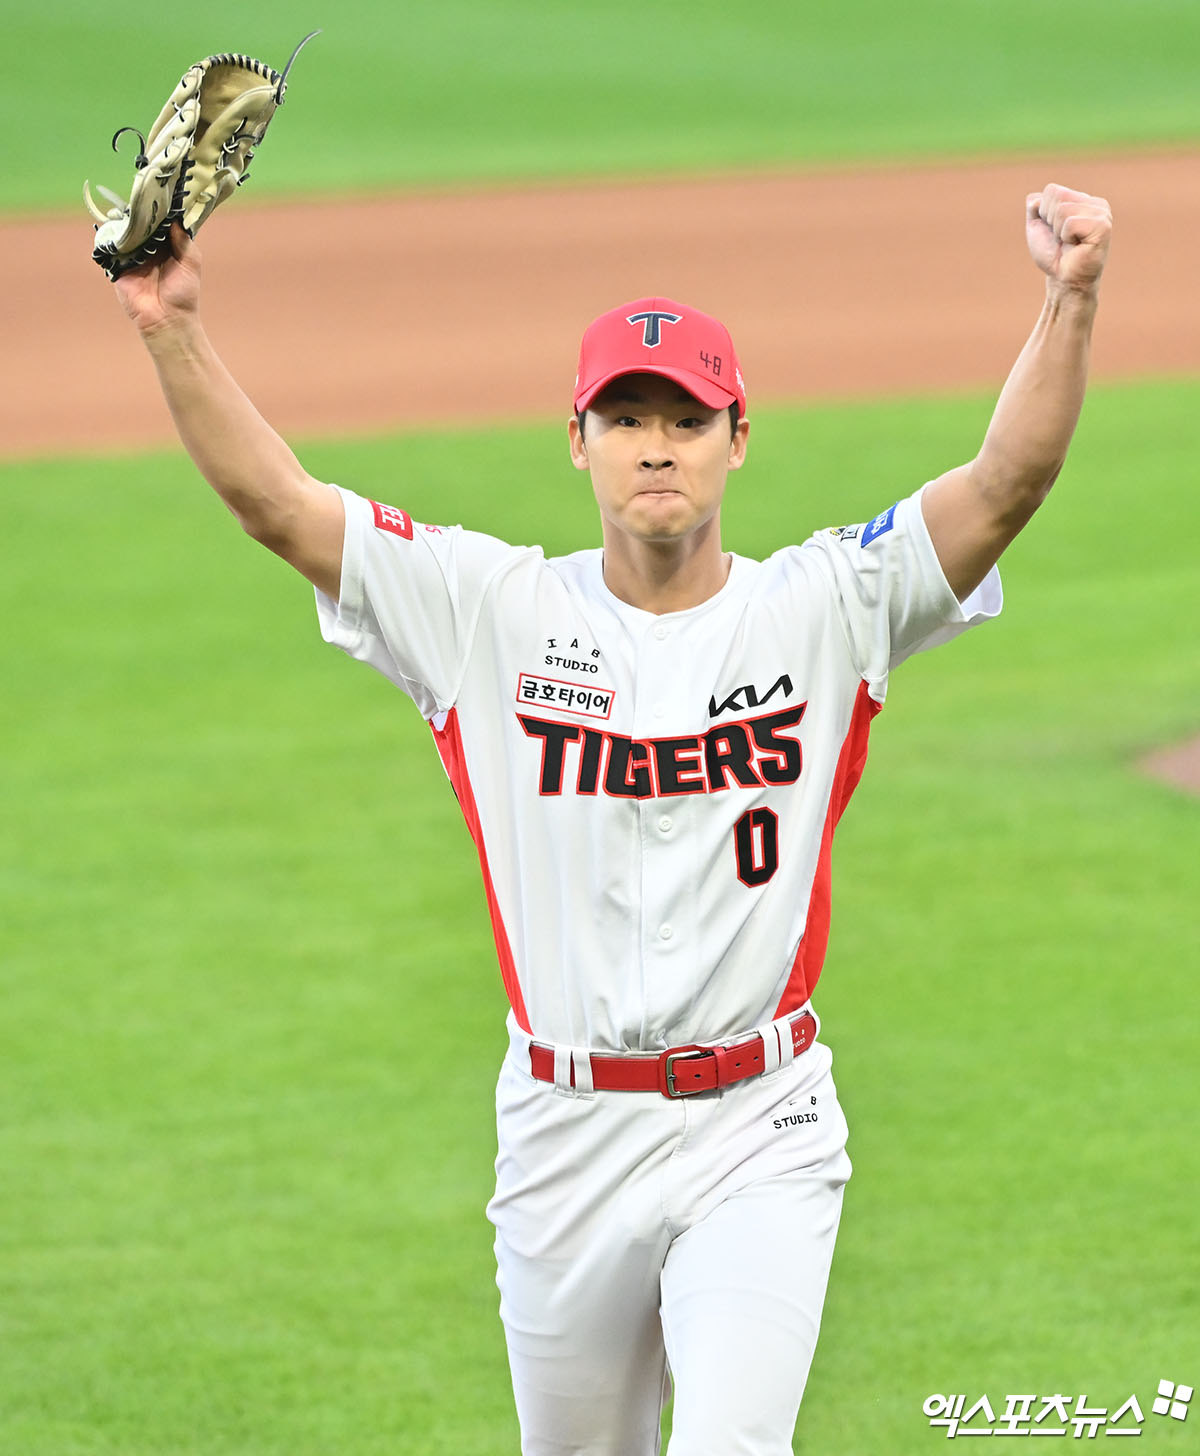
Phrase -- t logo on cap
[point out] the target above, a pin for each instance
(653, 319)
(657, 335)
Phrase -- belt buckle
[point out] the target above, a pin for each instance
(666, 1070)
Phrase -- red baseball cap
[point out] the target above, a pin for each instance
(660, 336)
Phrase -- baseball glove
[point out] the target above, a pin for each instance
(197, 153)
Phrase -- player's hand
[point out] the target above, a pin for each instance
(1068, 235)
(166, 290)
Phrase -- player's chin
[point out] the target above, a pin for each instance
(662, 525)
(661, 506)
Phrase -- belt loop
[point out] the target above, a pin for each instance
(581, 1062)
(770, 1040)
(787, 1044)
(573, 1072)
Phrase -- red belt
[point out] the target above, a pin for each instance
(679, 1071)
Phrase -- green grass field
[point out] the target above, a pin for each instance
(471, 90)
(240, 1213)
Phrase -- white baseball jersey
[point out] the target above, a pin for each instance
(652, 798)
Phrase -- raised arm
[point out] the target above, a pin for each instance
(974, 511)
(249, 466)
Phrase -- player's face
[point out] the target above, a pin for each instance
(657, 456)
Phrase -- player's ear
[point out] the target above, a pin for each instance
(579, 457)
(737, 446)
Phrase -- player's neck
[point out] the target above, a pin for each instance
(664, 576)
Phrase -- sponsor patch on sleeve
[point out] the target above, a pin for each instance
(879, 526)
(390, 518)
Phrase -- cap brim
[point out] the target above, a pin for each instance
(696, 385)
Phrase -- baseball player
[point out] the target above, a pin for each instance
(651, 743)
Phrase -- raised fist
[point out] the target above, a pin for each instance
(1068, 235)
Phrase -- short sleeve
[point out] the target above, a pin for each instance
(890, 591)
(410, 598)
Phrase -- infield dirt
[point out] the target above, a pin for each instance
(459, 307)
(364, 314)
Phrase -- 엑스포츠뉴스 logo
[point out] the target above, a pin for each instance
(1053, 1415)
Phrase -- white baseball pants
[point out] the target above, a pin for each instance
(637, 1236)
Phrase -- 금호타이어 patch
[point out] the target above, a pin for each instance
(879, 526)
(565, 697)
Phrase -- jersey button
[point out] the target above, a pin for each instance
(665, 824)
(662, 632)
(665, 932)
(658, 710)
